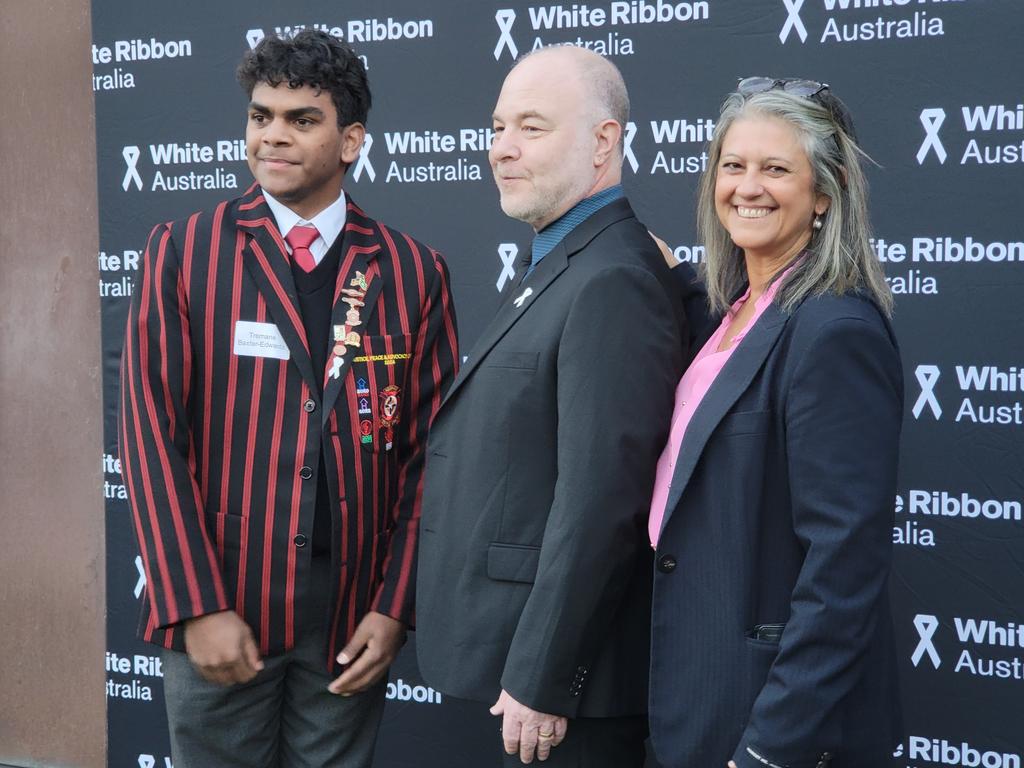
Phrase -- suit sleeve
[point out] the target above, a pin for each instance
(619, 360)
(843, 414)
(435, 362)
(183, 577)
(694, 298)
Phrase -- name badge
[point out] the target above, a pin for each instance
(260, 340)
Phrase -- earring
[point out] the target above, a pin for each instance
(817, 222)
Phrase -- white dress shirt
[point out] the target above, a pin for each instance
(328, 223)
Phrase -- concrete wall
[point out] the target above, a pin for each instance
(52, 573)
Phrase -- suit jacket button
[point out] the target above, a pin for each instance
(300, 540)
(667, 563)
(305, 473)
(309, 406)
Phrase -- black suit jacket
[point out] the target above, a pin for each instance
(780, 513)
(534, 573)
(221, 450)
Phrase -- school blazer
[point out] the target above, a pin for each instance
(772, 641)
(221, 450)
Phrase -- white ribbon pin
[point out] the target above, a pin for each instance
(523, 297)
(336, 364)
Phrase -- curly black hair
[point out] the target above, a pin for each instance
(311, 58)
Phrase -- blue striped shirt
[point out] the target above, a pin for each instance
(556, 231)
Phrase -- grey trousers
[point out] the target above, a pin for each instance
(283, 718)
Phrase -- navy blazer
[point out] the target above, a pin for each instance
(772, 640)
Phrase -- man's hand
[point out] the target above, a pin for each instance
(371, 650)
(221, 648)
(525, 731)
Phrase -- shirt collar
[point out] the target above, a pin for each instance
(556, 231)
(328, 222)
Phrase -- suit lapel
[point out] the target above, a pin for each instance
(509, 313)
(358, 273)
(266, 260)
(731, 382)
(524, 295)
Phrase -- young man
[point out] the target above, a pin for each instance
(285, 355)
(534, 570)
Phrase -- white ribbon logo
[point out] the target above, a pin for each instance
(627, 150)
(507, 252)
(927, 377)
(793, 21)
(146, 761)
(141, 583)
(505, 18)
(131, 157)
(926, 627)
(932, 120)
(253, 37)
(363, 163)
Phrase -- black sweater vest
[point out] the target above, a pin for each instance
(316, 299)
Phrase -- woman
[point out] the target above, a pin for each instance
(772, 511)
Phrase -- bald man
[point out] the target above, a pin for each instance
(534, 572)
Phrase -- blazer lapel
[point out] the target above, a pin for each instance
(355, 299)
(510, 311)
(732, 381)
(544, 275)
(266, 260)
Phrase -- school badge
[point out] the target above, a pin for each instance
(389, 413)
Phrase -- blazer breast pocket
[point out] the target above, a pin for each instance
(745, 423)
(519, 361)
(380, 370)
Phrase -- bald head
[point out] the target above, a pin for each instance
(557, 133)
(598, 81)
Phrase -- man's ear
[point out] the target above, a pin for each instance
(608, 134)
(351, 142)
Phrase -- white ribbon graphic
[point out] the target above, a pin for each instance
(505, 18)
(927, 377)
(926, 627)
(523, 297)
(793, 21)
(363, 163)
(627, 149)
(253, 37)
(932, 119)
(507, 252)
(141, 583)
(146, 761)
(131, 157)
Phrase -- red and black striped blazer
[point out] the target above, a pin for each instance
(221, 451)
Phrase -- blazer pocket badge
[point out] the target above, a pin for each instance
(390, 408)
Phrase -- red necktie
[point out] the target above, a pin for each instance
(300, 238)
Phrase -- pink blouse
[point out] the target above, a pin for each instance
(691, 390)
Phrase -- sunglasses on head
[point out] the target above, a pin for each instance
(748, 86)
(808, 89)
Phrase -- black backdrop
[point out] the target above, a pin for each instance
(936, 88)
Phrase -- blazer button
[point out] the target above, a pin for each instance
(309, 406)
(667, 564)
(305, 473)
(300, 540)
